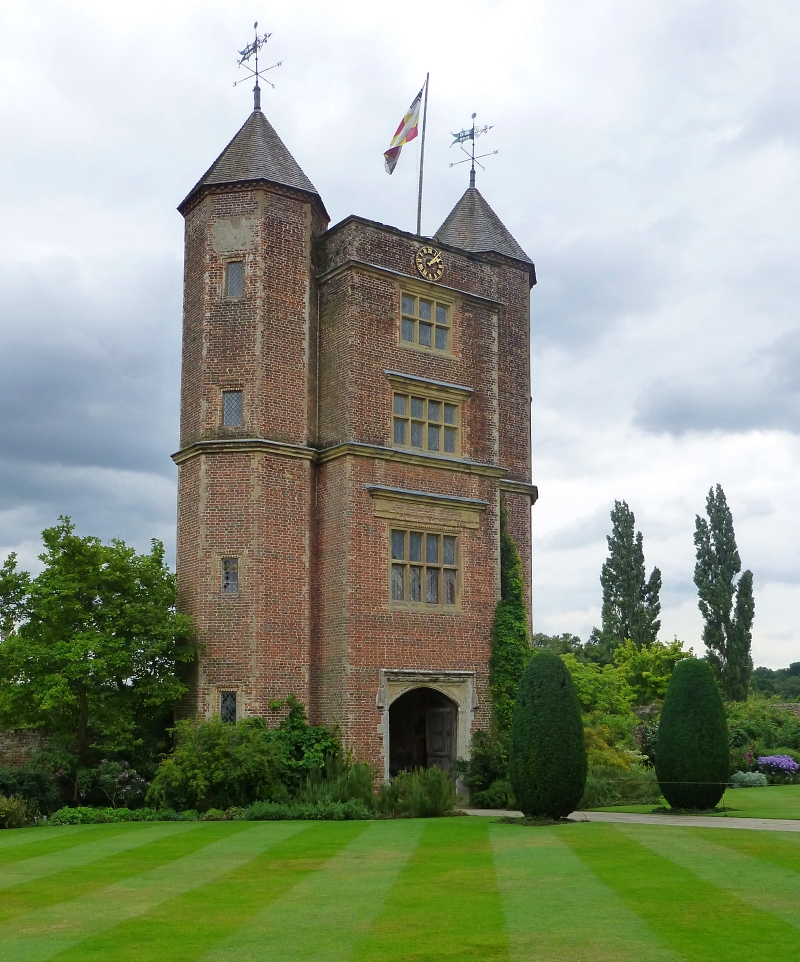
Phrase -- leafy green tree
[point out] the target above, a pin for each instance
(511, 647)
(693, 755)
(14, 587)
(783, 682)
(600, 688)
(563, 644)
(725, 598)
(631, 604)
(92, 648)
(547, 756)
(648, 670)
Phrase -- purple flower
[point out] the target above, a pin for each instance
(779, 764)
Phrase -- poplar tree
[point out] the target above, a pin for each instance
(725, 597)
(630, 600)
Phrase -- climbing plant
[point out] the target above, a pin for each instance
(511, 647)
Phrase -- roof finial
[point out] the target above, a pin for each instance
(471, 133)
(244, 55)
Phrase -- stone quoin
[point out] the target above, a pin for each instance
(349, 427)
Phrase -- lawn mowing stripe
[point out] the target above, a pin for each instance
(556, 909)
(184, 928)
(124, 837)
(323, 916)
(769, 888)
(445, 904)
(701, 921)
(44, 933)
(12, 837)
(779, 848)
(42, 841)
(75, 882)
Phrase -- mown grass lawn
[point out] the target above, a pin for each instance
(773, 801)
(446, 889)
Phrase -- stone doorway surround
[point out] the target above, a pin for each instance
(458, 686)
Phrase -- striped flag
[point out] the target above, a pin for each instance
(405, 132)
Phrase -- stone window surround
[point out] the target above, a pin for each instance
(416, 293)
(458, 686)
(215, 699)
(430, 390)
(422, 563)
(226, 264)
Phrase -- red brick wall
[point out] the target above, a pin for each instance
(312, 616)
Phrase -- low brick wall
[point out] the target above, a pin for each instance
(19, 745)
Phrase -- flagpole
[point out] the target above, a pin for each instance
(422, 156)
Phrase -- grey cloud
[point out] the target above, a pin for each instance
(587, 285)
(764, 395)
(90, 376)
(588, 530)
(89, 389)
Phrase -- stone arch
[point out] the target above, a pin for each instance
(455, 689)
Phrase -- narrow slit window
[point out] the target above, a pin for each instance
(230, 576)
(227, 706)
(234, 279)
(232, 411)
(424, 569)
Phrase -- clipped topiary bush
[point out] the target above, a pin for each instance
(547, 756)
(692, 753)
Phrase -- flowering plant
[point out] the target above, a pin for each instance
(783, 767)
(121, 784)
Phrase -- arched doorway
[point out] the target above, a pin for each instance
(422, 730)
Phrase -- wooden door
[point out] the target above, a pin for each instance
(439, 728)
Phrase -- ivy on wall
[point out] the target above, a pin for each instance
(511, 645)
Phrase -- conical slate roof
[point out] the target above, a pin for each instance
(473, 226)
(255, 153)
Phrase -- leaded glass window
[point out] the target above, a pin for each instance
(424, 568)
(234, 279)
(425, 322)
(227, 706)
(232, 413)
(426, 424)
(230, 576)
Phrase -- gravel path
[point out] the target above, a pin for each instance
(683, 821)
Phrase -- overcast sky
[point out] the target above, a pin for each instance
(648, 164)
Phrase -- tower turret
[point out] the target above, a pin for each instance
(247, 402)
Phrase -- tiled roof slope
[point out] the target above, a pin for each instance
(255, 153)
(473, 226)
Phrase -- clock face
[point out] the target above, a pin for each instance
(429, 263)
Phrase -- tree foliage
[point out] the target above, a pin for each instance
(92, 646)
(600, 688)
(631, 603)
(547, 756)
(693, 750)
(725, 597)
(647, 671)
(511, 646)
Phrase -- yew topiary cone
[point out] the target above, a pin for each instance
(693, 755)
(547, 756)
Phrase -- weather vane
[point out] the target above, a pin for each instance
(471, 134)
(251, 50)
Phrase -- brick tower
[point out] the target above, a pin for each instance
(355, 403)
